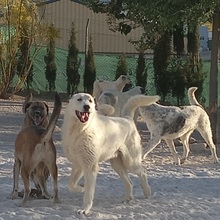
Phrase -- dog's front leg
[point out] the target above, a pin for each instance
(16, 171)
(90, 181)
(76, 175)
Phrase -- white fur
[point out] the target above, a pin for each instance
(100, 86)
(171, 122)
(98, 139)
(117, 99)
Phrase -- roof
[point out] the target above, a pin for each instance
(41, 2)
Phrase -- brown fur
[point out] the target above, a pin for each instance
(36, 112)
(34, 149)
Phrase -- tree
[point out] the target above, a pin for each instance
(73, 64)
(161, 59)
(122, 69)
(178, 40)
(24, 64)
(159, 16)
(90, 69)
(213, 83)
(49, 59)
(19, 20)
(141, 71)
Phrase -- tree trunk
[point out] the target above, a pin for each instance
(213, 85)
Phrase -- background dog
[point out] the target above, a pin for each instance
(117, 99)
(90, 138)
(102, 85)
(34, 149)
(36, 112)
(170, 122)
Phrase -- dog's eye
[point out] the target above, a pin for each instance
(79, 99)
(90, 100)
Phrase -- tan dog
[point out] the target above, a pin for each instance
(34, 149)
(36, 112)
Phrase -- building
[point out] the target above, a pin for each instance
(62, 13)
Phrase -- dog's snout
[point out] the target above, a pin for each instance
(86, 108)
(37, 113)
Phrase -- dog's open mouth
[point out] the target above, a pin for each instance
(37, 120)
(82, 116)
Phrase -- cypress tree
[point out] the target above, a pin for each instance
(90, 69)
(73, 64)
(178, 40)
(141, 72)
(162, 52)
(122, 69)
(24, 65)
(49, 59)
(194, 65)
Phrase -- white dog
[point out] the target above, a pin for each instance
(170, 122)
(90, 138)
(117, 99)
(101, 85)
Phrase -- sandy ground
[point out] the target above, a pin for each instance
(186, 192)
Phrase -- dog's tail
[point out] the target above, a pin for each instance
(192, 97)
(136, 101)
(53, 119)
(105, 109)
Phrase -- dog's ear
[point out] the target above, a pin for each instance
(26, 106)
(47, 107)
(27, 100)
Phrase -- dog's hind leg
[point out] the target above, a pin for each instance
(153, 142)
(25, 174)
(173, 151)
(121, 170)
(185, 141)
(76, 175)
(144, 182)
(16, 172)
(207, 135)
(53, 171)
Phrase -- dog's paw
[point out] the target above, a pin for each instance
(23, 203)
(83, 212)
(178, 161)
(13, 195)
(46, 195)
(76, 188)
(56, 200)
(128, 200)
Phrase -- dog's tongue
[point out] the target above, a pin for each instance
(83, 116)
(37, 121)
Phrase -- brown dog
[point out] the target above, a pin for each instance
(36, 112)
(34, 149)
